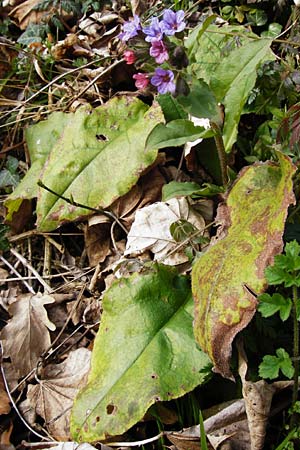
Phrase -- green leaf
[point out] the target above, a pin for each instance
(33, 33)
(193, 41)
(144, 352)
(182, 229)
(171, 108)
(285, 269)
(269, 305)
(97, 157)
(270, 366)
(175, 133)
(178, 189)
(275, 275)
(8, 179)
(4, 242)
(225, 276)
(207, 48)
(12, 164)
(200, 102)
(40, 140)
(274, 29)
(184, 189)
(233, 81)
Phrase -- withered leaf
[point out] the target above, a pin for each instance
(26, 335)
(53, 396)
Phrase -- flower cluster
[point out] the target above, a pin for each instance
(155, 36)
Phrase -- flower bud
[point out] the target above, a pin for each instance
(179, 58)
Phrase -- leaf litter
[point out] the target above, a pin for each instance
(58, 359)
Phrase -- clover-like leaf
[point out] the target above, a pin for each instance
(271, 304)
(270, 366)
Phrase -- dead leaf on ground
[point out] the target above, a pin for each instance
(26, 13)
(4, 399)
(94, 25)
(151, 230)
(258, 398)
(26, 335)
(97, 231)
(53, 396)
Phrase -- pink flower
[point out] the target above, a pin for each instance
(141, 80)
(129, 56)
(159, 51)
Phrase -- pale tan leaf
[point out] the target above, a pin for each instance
(26, 336)
(53, 396)
(151, 230)
(76, 446)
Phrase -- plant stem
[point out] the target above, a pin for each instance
(221, 152)
(296, 346)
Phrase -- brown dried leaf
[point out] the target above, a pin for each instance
(53, 396)
(138, 6)
(26, 14)
(4, 399)
(26, 335)
(97, 240)
(258, 398)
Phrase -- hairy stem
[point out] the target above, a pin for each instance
(221, 152)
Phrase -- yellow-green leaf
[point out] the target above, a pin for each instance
(144, 352)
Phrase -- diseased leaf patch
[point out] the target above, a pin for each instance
(226, 276)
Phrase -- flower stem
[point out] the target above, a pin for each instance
(221, 152)
(296, 349)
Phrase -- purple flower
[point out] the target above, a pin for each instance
(130, 29)
(172, 22)
(163, 80)
(159, 51)
(154, 31)
(141, 80)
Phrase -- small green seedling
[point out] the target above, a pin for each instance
(285, 271)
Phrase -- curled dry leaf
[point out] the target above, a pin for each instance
(27, 331)
(258, 398)
(53, 396)
(151, 230)
(26, 13)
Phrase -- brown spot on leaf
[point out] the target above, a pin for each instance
(111, 409)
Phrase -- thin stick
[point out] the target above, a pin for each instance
(32, 270)
(80, 205)
(44, 88)
(79, 297)
(19, 276)
(97, 77)
(48, 277)
(137, 443)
